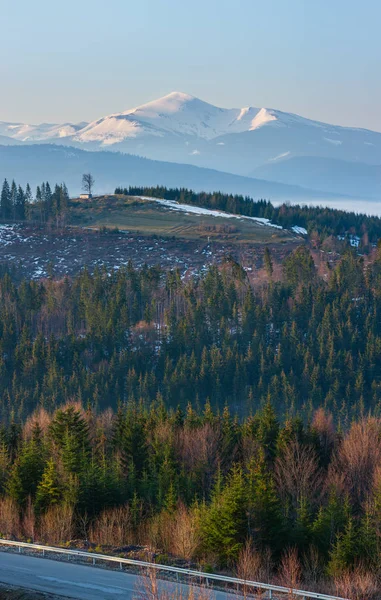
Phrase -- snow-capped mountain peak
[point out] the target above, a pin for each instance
(262, 117)
(37, 133)
(246, 141)
(177, 114)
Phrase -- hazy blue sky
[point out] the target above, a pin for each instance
(80, 59)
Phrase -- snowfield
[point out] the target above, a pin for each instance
(196, 210)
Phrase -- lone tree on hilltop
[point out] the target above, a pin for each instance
(88, 182)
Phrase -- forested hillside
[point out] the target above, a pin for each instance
(290, 503)
(219, 419)
(142, 334)
(319, 219)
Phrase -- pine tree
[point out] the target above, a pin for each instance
(49, 488)
(13, 197)
(263, 507)
(6, 201)
(69, 432)
(224, 524)
(26, 472)
(345, 550)
(268, 263)
(20, 204)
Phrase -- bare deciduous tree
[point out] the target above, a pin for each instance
(57, 525)
(150, 588)
(185, 533)
(112, 527)
(251, 566)
(290, 571)
(198, 451)
(9, 518)
(353, 469)
(88, 182)
(323, 427)
(313, 565)
(40, 418)
(358, 584)
(297, 474)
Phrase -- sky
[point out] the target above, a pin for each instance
(80, 59)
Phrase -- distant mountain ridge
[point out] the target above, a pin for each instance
(243, 141)
(40, 162)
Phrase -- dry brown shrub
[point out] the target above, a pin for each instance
(253, 565)
(358, 584)
(149, 587)
(29, 521)
(150, 532)
(354, 466)
(297, 474)
(184, 533)
(290, 571)
(9, 519)
(313, 567)
(112, 527)
(57, 525)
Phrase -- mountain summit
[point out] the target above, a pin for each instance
(250, 141)
(181, 114)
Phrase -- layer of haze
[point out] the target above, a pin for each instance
(80, 60)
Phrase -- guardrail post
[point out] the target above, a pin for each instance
(19, 549)
(270, 594)
(93, 561)
(120, 566)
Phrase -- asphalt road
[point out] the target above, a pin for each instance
(79, 581)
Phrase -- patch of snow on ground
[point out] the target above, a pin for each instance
(300, 230)
(283, 155)
(197, 210)
(334, 142)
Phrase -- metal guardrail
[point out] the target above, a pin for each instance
(178, 570)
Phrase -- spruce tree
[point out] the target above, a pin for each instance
(20, 204)
(6, 201)
(13, 198)
(49, 488)
(268, 263)
(224, 524)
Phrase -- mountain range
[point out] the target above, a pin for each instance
(259, 143)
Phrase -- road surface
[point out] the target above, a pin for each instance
(77, 581)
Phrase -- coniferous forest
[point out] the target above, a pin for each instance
(204, 419)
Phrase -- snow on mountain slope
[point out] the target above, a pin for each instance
(198, 210)
(33, 133)
(182, 114)
(180, 128)
(177, 114)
